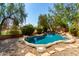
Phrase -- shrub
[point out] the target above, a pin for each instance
(44, 29)
(73, 31)
(78, 33)
(39, 30)
(27, 30)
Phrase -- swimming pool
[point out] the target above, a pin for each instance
(45, 39)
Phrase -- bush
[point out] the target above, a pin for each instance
(27, 30)
(44, 29)
(78, 33)
(39, 30)
(73, 31)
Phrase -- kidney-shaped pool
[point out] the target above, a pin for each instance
(45, 39)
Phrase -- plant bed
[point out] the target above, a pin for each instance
(2, 37)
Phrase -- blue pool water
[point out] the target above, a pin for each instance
(45, 39)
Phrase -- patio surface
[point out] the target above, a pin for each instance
(14, 47)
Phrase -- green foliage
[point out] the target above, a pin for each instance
(14, 30)
(28, 29)
(78, 33)
(39, 30)
(53, 28)
(63, 15)
(66, 16)
(12, 11)
(43, 22)
(74, 29)
(6, 32)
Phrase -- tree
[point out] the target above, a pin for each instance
(63, 14)
(28, 29)
(43, 22)
(51, 23)
(59, 15)
(13, 11)
(14, 30)
(39, 30)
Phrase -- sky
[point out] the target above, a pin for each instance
(33, 10)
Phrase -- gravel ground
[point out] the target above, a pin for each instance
(15, 47)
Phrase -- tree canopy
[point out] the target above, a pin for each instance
(42, 21)
(63, 15)
(12, 11)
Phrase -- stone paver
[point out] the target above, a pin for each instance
(73, 45)
(60, 49)
(51, 52)
(13, 47)
(40, 49)
(29, 54)
(68, 46)
(45, 54)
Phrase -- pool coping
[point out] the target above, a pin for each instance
(43, 45)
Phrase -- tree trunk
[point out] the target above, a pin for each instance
(1, 25)
(0, 29)
(3, 22)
